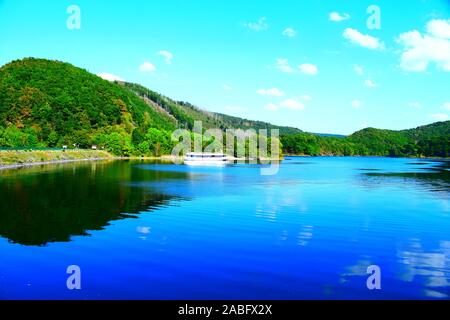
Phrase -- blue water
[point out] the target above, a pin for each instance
(143, 230)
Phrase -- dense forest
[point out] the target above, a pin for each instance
(47, 103)
(427, 141)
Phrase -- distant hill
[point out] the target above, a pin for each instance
(437, 129)
(329, 135)
(378, 141)
(428, 140)
(46, 103)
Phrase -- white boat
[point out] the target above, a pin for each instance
(205, 159)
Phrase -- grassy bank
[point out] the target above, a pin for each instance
(20, 158)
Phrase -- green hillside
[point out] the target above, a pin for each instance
(47, 103)
(428, 141)
(186, 114)
(51, 103)
(379, 142)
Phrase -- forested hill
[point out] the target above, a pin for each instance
(51, 103)
(430, 140)
(46, 103)
(186, 113)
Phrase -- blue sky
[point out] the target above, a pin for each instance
(314, 65)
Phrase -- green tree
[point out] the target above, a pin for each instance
(53, 139)
(114, 143)
(143, 149)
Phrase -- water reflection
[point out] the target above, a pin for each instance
(53, 206)
(427, 266)
(431, 175)
(358, 269)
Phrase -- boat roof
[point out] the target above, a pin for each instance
(205, 154)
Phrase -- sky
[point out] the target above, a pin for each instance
(329, 66)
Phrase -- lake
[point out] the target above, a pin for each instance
(148, 230)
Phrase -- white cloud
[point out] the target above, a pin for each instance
(358, 69)
(270, 92)
(168, 56)
(110, 77)
(356, 104)
(292, 104)
(364, 40)
(271, 106)
(147, 67)
(419, 50)
(415, 105)
(439, 28)
(227, 87)
(337, 17)
(289, 32)
(308, 68)
(439, 116)
(283, 66)
(370, 84)
(446, 106)
(260, 25)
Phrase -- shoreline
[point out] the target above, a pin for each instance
(167, 158)
(13, 159)
(42, 163)
(360, 156)
(170, 158)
